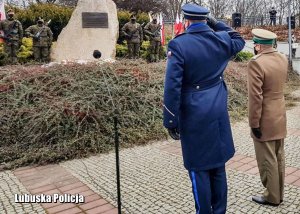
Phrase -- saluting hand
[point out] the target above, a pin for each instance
(211, 22)
(174, 133)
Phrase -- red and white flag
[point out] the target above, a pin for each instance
(2, 16)
(162, 29)
(2, 11)
(178, 26)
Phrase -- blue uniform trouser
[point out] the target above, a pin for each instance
(210, 190)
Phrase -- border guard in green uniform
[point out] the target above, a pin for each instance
(133, 33)
(42, 40)
(152, 29)
(267, 74)
(13, 35)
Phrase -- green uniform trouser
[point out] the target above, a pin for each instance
(271, 165)
(11, 49)
(133, 50)
(41, 53)
(154, 50)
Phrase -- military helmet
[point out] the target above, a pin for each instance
(40, 20)
(133, 16)
(10, 11)
(154, 16)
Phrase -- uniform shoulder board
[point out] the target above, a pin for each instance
(256, 56)
(179, 35)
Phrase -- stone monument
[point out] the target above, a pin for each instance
(93, 25)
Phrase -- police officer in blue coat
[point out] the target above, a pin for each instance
(195, 103)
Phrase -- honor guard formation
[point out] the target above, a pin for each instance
(13, 34)
(135, 33)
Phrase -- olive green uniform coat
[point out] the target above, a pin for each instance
(41, 43)
(134, 37)
(153, 31)
(13, 35)
(267, 73)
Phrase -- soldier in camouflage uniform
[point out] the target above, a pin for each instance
(153, 30)
(42, 37)
(12, 35)
(133, 33)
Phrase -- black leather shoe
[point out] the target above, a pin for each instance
(261, 200)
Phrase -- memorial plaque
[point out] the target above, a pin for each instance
(94, 20)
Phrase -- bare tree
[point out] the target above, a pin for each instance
(173, 7)
(218, 8)
(282, 7)
(140, 5)
(198, 2)
(71, 3)
(46, 1)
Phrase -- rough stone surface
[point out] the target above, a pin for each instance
(77, 43)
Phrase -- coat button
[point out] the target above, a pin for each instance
(197, 87)
(170, 121)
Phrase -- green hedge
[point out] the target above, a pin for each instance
(243, 56)
(25, 53)
(122, 51)
(59, 16)
(2, 55)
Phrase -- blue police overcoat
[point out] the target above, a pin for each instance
(195, 95)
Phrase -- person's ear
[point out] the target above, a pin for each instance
(257, 47)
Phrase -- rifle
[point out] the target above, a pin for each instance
(37, 36)
(7, 36)
(130, 35)
(154, 34)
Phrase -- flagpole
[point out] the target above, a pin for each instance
(173, 28)
(290, 33)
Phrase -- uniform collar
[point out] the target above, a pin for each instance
(198, 28)
(269, 50)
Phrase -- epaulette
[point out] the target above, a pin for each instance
(256, 56)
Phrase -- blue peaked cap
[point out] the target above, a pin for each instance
(194, 12)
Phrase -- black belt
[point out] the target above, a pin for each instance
(202, 85)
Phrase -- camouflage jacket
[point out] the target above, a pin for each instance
(12, 30)
(133, 32)
(153, 30)
(42, 36)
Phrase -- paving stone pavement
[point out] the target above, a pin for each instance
(244, 144)
(154, 181)
(9, 186)
(54, 179)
